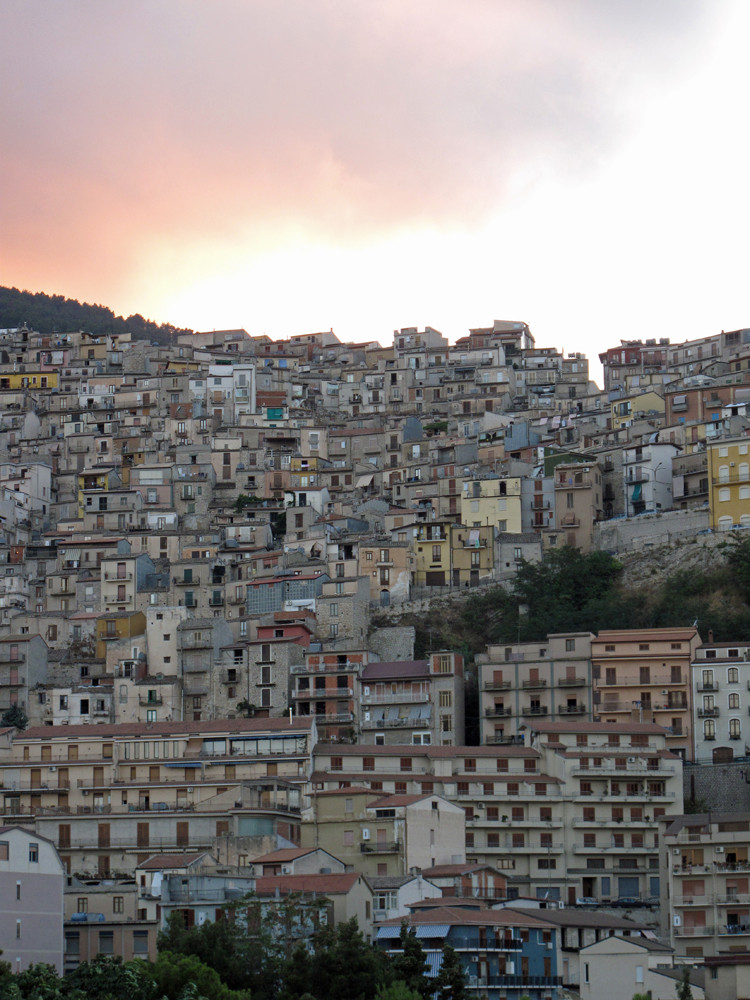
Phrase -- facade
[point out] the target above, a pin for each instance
(550, 680)
(413, 701)
(107, 795)
(721, 701)
(31, 888)
(705, 890)
(502, 954)
(645, 675)
(384, 834)
(729, 483)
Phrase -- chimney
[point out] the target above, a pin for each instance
(710, 635)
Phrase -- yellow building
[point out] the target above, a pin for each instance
(432, 557)
(629, 408)
(492, 502)
(117, 625)
(729, 483)
(28, 380)
(472, 554)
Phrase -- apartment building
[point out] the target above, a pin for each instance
(550, 680)
(646, 676)
(502, 954)
(382, 835)
(413, 701)
(549, 814)
(107, 917)
(721, 701)
(705, 891)
(108, 795)
(729, 483)
(577, 506)
(325, 687)
(31, 888)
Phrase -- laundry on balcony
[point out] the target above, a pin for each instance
(637, 491)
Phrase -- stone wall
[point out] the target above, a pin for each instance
(721, 787)
(633, 533)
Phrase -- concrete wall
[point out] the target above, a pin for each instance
(634, 533)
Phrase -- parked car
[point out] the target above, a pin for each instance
(628, 901)
(587, 901)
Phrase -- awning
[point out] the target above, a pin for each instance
(184, 763)
(433, 930)
(637, 492)
(388, 933)
(365, 480)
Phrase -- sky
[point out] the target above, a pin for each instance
(289, 166)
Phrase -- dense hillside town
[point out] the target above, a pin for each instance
(206, 692)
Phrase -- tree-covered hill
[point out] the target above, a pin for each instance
(55, 314)
(571, 592)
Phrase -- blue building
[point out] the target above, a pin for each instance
(504, 955)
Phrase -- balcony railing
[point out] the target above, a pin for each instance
(530, 685)
(535, 710)
(571, 681)
(382, 847)
(708, 713)
(400, 697)
(497, 685)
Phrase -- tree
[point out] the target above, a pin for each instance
(411, 965)
(179, 977)
(451, 981)
(14, 716)
(107, 977)
(396, 991)
(683, 986)
(345, 966)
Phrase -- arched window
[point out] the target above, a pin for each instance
(724, 494)
(725, 523)
(734, 729)
(723, 473)
(709, 729)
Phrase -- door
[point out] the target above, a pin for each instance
(36, 777)
(103, 834)
(154, 772)
(98, 777)
(142, 834)
(182, 835)
(63, 777)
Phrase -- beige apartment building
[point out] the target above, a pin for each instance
(380, 834)
(573, 811)
(413, 701)
(705, 861)
(578, 505)
(645, 676)
(546, 680)
(109, 795)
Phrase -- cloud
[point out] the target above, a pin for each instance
(143, 128)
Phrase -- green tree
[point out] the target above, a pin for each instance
(410, 965)
(345, 966)
(683, 986)
(107, 977)
(14, 716)
(397, 991)
(451, 981)
(178, 977)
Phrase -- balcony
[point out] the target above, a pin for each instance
(708, 686)
(216, 601)
(532, 685)
(382, 847)
(322, 694)
(535, 710)
(571, 682)
(578, 709)
(496, 686)
(400, 698)
(708, 713)
(150, 702)
(415, 723)
(498, 711)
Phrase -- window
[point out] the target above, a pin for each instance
(733, 676)
(106, 942)
(734, 729)
(709, 729)
(734, 700)
(118, 904)
(33, 852)
(82, 905)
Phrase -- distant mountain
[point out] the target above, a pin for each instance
(55, 314)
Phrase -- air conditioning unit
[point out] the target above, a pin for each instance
(52, 768)
(676, 920)
(719, 850)
(365, 834)
(676, 851)
(632, 760)
(286, 870)
(665, 691)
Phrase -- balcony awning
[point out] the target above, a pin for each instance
(365, 480)
(183, 763)
(637, 492)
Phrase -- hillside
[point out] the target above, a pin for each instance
(50, 314)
